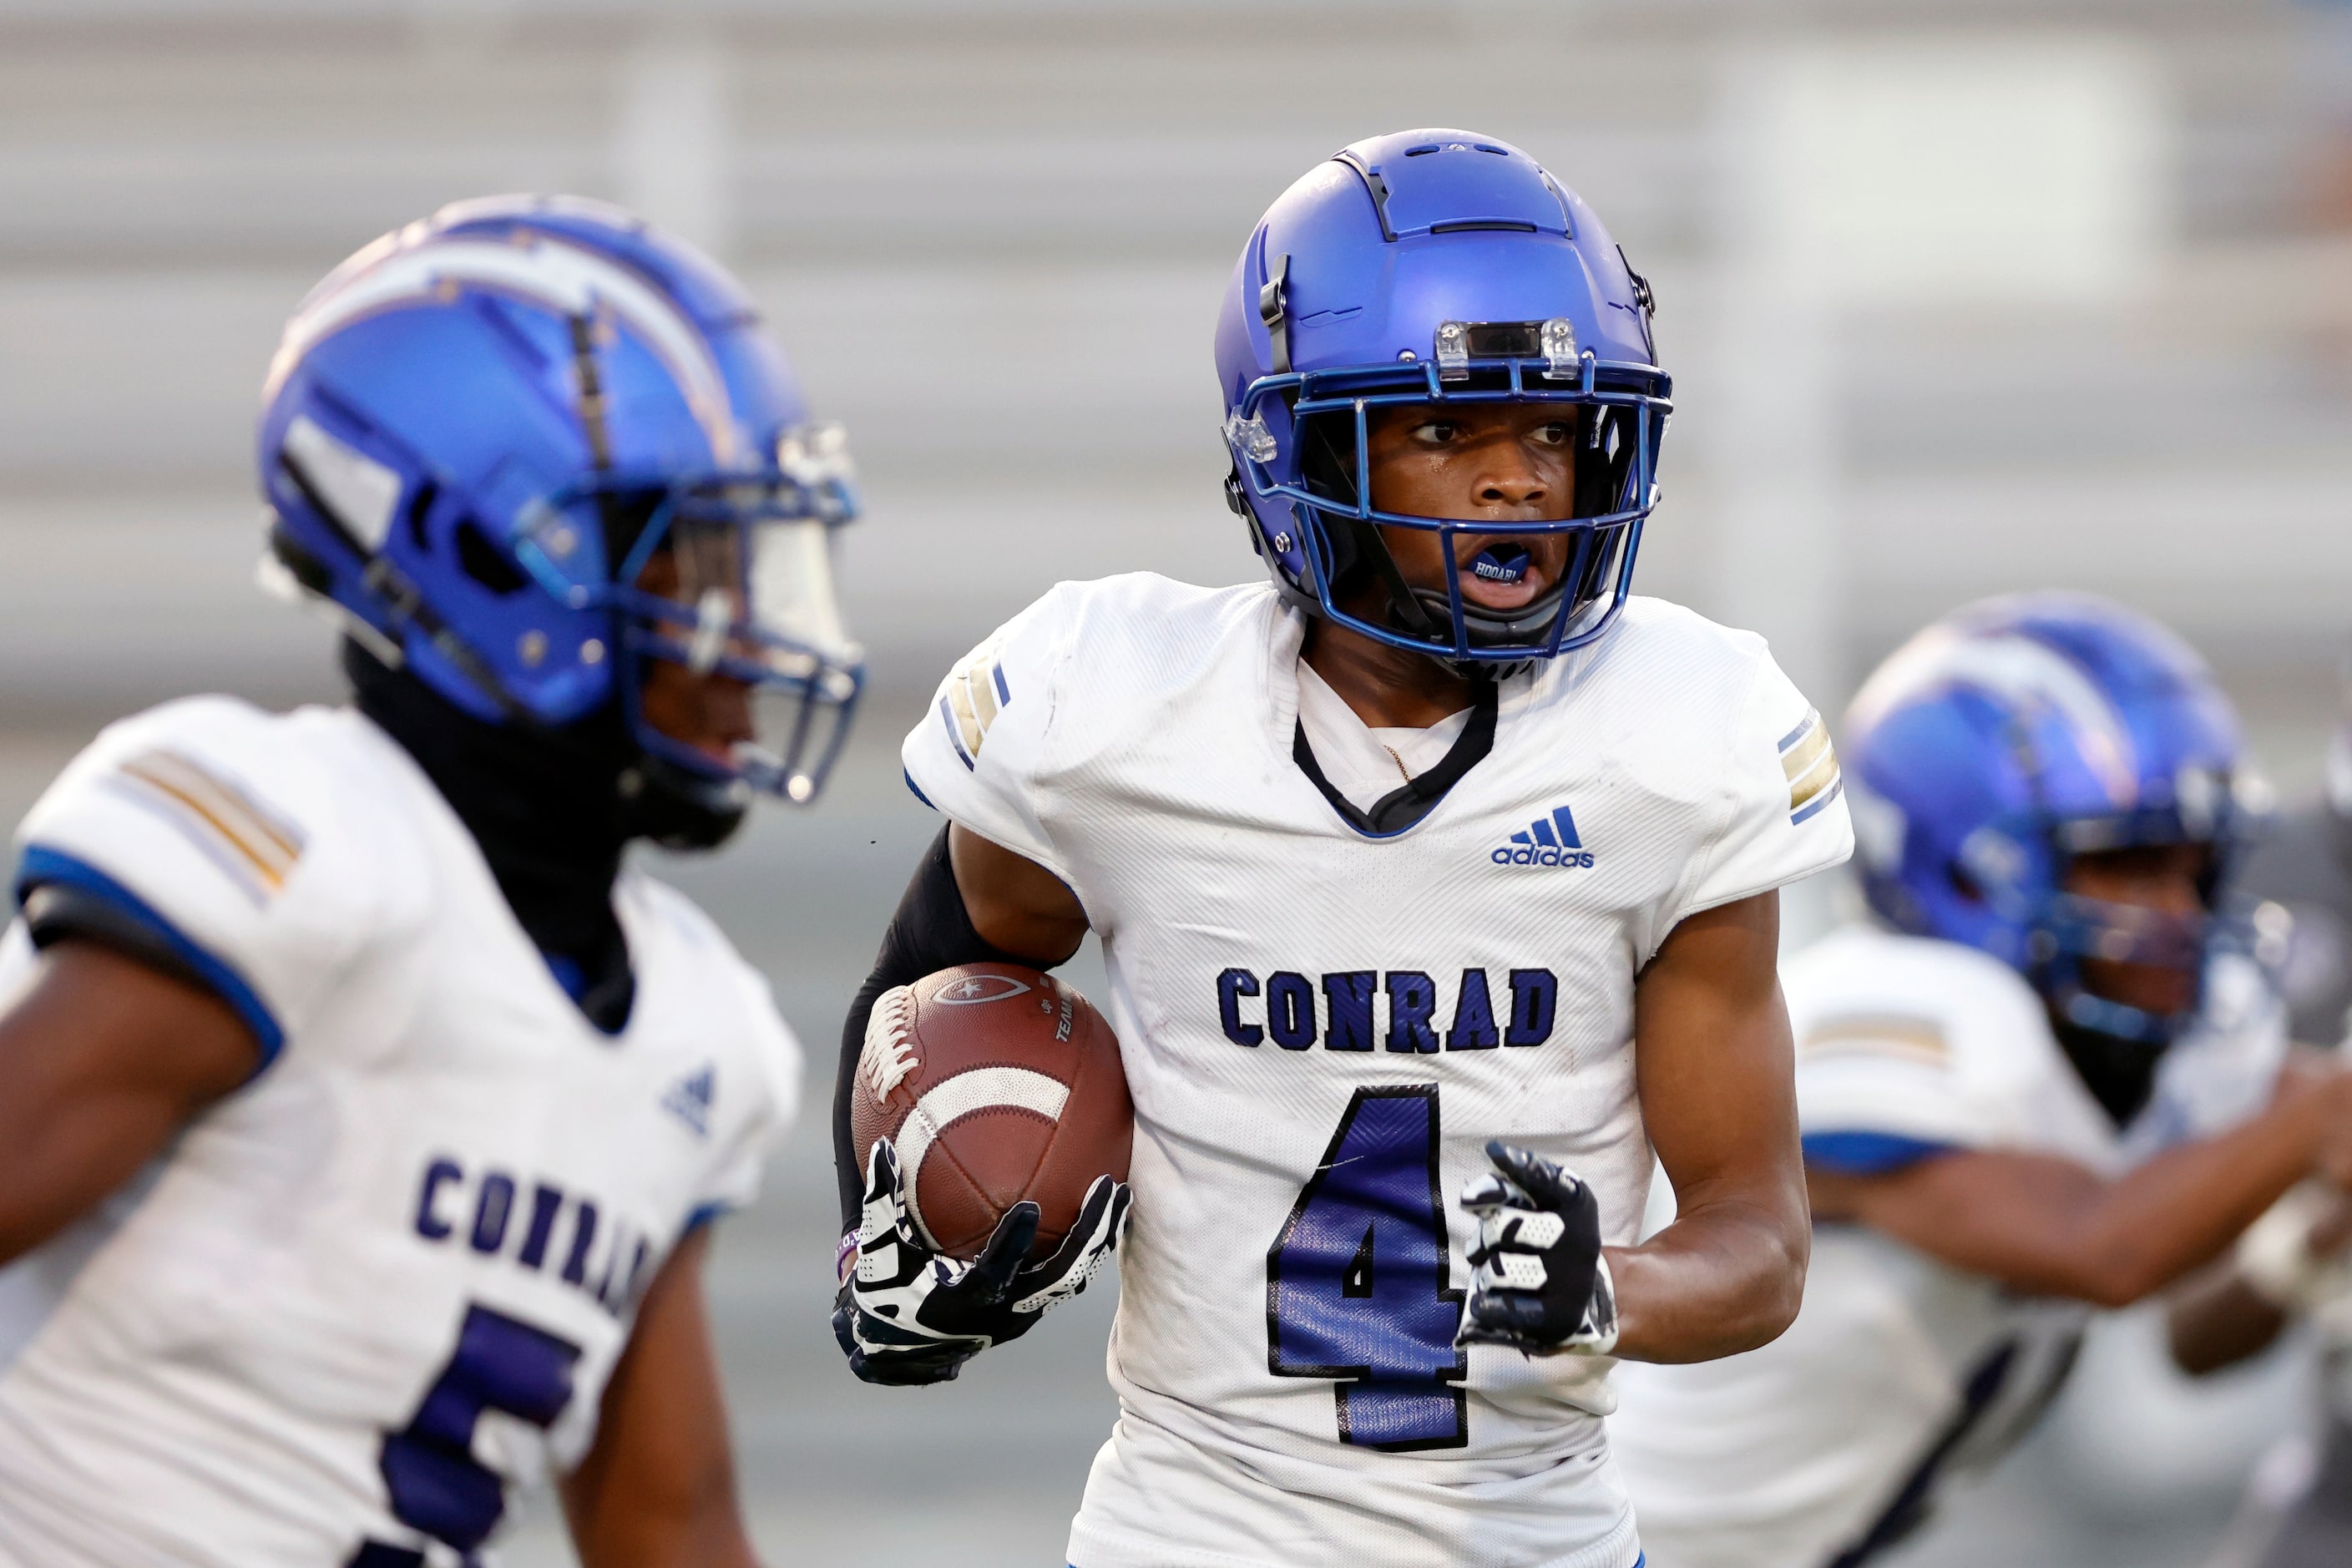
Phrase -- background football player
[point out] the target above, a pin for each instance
(360, 1114)
(2042, 1082)
(1438, 866)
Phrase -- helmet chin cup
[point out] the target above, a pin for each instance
(679, 808)
(1417, 619)
(1490, 629)
(1486, 629)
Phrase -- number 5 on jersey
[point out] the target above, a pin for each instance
(1359, 1286)
(435, 1483)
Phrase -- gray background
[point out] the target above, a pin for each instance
(994, 235)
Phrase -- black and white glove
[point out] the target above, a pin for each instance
(1542, 1286)
(907, 1314)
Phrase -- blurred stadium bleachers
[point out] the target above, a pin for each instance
(994, 235)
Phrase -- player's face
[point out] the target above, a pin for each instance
(2164, 880)
(711, 712)
(1507, 462)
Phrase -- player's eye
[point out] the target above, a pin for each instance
(1555, 434)
(1437, 432)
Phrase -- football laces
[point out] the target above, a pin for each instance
(889, 1052)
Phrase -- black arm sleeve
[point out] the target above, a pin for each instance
(933, 930)
(55, 914)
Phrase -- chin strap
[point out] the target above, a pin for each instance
(1407, 614)
(1405, 604)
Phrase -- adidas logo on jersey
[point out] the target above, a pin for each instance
(1548, 841)
(689, 1098)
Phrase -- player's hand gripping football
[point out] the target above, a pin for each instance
(907, 1314)
(1542, 1286)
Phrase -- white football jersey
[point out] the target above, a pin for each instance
(1322, 1029)
(361, 1296)
(1901, 1371)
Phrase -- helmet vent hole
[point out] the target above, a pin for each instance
(483, 564)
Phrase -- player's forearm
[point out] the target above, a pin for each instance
(657, 1489)
(1713, 1046)
(2047, 1226)
(1724, 1278)
(2221, 1183)
(615, 1524)
(57, 1167)
(618, 1538)
(2179, 1210)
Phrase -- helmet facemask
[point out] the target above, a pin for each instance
(2116, 1047)
(2069, 928)
(1352, 576)
(729, 577)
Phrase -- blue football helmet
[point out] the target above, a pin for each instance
(2019, 732)
(1436, 267)
(482, 430)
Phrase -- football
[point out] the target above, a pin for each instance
(994, 1083)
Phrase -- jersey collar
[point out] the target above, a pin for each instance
(1403, 807)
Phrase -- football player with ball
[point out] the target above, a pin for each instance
(1396, 1085)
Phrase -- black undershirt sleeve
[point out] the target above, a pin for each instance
(55, 914)
(933, 930)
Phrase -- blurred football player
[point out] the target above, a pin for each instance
(1437, 867)
(360, 1116)
(2042, 1082)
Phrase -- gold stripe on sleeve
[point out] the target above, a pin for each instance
(1808, 762)
(1879, 1034)
(225, 811)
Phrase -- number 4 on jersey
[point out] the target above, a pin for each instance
(1358, 1284)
